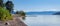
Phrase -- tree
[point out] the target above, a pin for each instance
(1, 3)
(17, 12)
(9, 5)
(21, 13)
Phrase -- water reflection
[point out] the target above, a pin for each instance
(43, 20)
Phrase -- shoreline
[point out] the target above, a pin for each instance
(19, 20)
(15, 22)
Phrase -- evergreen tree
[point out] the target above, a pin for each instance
(1, 3)
(9, 5)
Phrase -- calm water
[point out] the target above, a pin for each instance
(43, 20)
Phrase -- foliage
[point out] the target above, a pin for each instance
(5, 15)
(1, 3)
(21, 13)
(9, 5)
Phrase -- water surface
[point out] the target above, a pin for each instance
(43, 20)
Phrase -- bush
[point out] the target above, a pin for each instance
(5, 15)
(21, 13)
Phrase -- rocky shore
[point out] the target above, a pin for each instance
(15, 22)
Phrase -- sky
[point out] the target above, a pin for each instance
(36, 5)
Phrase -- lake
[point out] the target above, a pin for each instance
(42, 20)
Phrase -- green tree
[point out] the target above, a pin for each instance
(1, 3)
(5, 15)
(17, 12)
(21, 13)
(9, 5)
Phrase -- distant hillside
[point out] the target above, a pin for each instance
(57, 13)
(41, 13)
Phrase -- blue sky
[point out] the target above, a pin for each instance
(36, 5)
